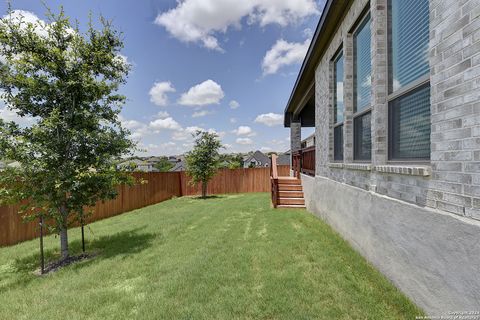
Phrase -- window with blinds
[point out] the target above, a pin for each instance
(410, 125)
(338, 107)
(362, 149)
(362, 61)
(409, 107)
(363, 65)
(338, 89)
(409, 23)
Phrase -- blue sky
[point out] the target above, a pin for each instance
(222, 65)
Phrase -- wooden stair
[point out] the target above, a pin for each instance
(290, 193)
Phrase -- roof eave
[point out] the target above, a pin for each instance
(333, 11)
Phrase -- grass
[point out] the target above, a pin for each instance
(228, 257)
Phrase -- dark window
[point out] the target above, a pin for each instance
(409, 23)
(338, 107)
(410, 125)
(363, 137)
(338, 143)
(362, 65)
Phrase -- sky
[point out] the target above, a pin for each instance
(226, 66)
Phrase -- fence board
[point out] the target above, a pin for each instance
(161, 186)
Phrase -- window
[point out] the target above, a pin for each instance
(410, 125)
(362, 137)
(362, 64)
(362, 141)
(338, 108)
(338, 143)
(409, 87)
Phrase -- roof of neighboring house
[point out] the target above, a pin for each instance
(179, 166)
(283, 159)
(259, 157)
(332, 15)
(137, 162)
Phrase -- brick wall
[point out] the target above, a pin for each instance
(455, 98)
(451, 181)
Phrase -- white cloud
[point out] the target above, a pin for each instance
(168, 144)
(270, 119)
(199, 21)
(205, 93)
(167, 124)
(244, 131)
(244, 141)
(28, 17)
(123, 59)
(203, 113)
(234, 104)
(307, 32)
(282, 54)
(162, 115)
(233, 120)
(8, 115)
(186, 133)
(158, 93)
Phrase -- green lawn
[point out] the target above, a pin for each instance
(229, 257)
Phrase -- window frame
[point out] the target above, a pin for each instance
(339, 53)
(356, 114)
(403, 91)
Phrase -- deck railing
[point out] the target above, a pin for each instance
(274, 179)
(303, 161)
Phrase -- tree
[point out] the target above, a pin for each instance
(203, 160)
(163, 165)
(68, 82)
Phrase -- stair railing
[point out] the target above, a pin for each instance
(274, 179)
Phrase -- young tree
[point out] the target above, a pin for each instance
(163, 165)
(68, 82)
(203, 160)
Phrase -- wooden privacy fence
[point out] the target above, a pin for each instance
(161, 186)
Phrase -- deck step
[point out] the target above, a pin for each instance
(289, 181)
(291, 206)
(290, 194)
(291, 201)
(290, 187)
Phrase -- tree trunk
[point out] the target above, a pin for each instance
(204, 189)
(64, 233)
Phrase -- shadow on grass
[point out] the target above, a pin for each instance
(207, 197)
(123, 244)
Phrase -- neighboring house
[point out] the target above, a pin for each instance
(179, 166)
(138, 165)
(309, 141)
(392, 88)
(257, 159)
(283, 159)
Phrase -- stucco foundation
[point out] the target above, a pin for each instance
(432, 256)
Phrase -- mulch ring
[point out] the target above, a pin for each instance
(57, 265)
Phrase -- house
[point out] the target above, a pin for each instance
(137, 165)
(179, 166)
(392, 89)
(308, 142)
(283, 159)
(257, 159)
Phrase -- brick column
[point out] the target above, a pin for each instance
(379, 86)
(348, 99)
(379, 82)
(295, 136)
